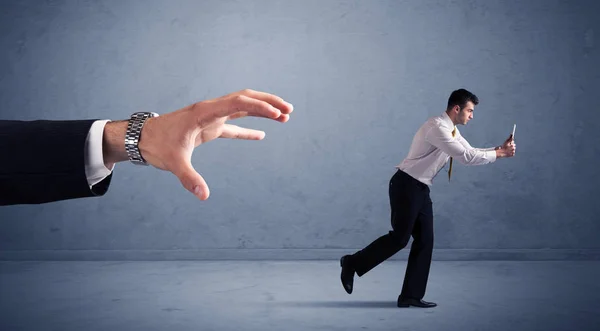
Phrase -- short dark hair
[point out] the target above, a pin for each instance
(460, 97)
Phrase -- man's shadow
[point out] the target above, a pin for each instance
(338, 304)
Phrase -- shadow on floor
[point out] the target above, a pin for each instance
(339, 304)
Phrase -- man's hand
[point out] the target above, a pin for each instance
(167, 141)
(508, 149)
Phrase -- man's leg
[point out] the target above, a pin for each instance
(406, 200)
(419, 260)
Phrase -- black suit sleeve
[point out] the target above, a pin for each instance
(43, 161)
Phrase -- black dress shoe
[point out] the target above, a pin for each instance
(407, 302)
(347, 275)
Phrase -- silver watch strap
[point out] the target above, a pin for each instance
(133, 134)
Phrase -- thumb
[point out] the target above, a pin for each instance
(191, 180)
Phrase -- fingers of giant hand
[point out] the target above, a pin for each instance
(191, 180)
(236, 132)
(275, 101)
(283, 118)
(240, 105)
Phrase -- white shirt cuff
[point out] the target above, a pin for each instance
(491, 154)
(95, 170)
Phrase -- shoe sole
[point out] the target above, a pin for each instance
(405, 305)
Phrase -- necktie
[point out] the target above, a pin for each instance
(450, 169)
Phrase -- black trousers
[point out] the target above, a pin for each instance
(412, 214)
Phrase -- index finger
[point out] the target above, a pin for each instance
(275, 101)
(241, 106)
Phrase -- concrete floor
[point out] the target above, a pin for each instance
(296, 295)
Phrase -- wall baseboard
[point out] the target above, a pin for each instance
(291, 254)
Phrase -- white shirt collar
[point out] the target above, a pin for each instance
(446, 119)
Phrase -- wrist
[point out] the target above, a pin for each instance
(113, 148)
(499, 152)
(134, 136)
(144, 145)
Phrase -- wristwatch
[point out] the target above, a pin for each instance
(133, 134)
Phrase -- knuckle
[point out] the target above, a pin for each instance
(195, 107)
(237, 98)
(237, 101)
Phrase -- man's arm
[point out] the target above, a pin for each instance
(44, 161)
(460, 149)
(466, 144)
(464, 153)
(113, 143)
(507, 149)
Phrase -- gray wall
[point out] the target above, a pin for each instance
(362, 75)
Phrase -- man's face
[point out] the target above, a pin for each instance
(466, 114)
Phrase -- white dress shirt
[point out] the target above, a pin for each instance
(95, 170)
(433, 145)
